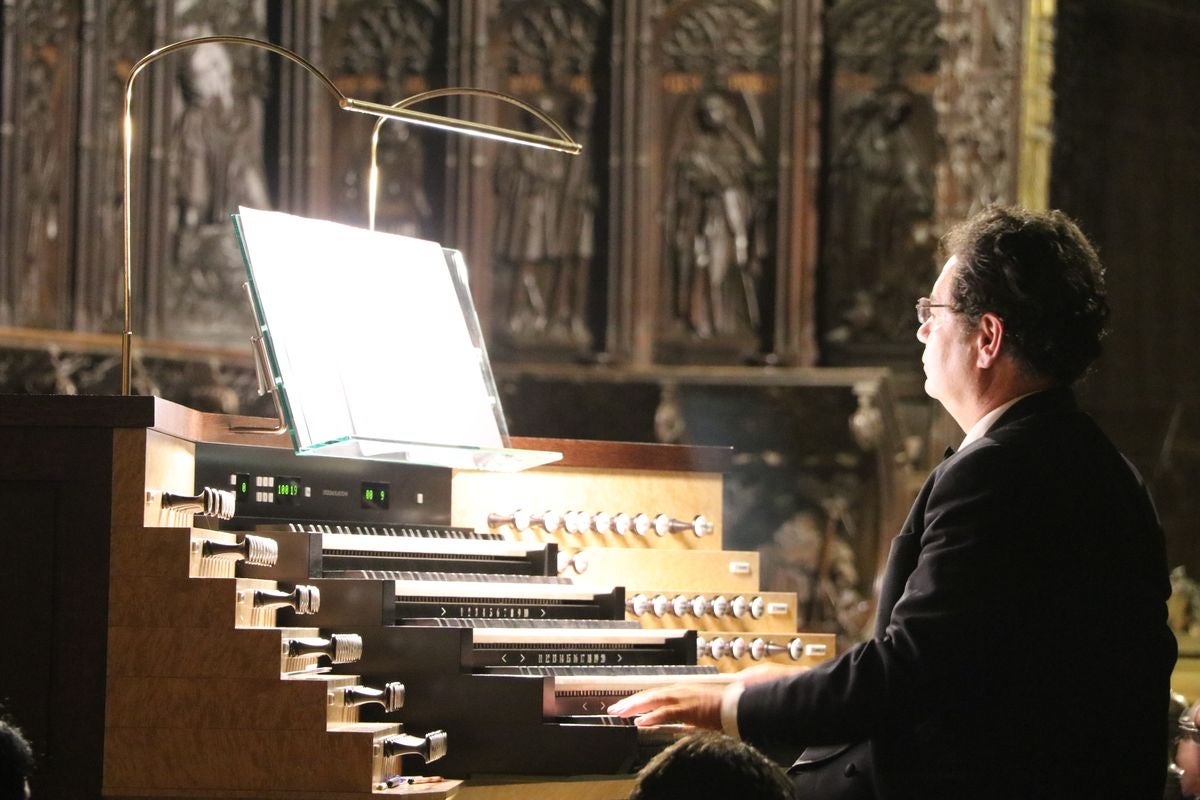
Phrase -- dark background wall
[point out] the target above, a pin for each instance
(1127, 165)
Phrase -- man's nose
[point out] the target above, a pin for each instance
(923, 331)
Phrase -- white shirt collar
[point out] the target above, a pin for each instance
(987, 420)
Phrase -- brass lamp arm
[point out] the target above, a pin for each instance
(564, 143)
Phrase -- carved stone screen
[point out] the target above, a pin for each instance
(877, 250)
(544, 233)
(714, 105)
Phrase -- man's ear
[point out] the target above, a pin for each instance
(989, 337)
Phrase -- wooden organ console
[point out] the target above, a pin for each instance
(206, 614)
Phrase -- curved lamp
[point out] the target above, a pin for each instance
(563, 143)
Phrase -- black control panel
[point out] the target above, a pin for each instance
(273, 485)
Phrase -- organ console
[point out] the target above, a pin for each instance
(270, 625)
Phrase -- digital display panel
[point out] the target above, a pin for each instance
(286, 490)
(374, 495)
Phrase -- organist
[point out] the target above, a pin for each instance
(1021, 646)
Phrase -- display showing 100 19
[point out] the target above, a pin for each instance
(286, 491)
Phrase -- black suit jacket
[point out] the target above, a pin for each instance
(1021, 648)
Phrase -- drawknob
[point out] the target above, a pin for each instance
(391, 696)
(303, 599)
(257, 551)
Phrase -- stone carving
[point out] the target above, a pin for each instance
(388, 43)
(715, 222)
(866, 423)
(553, 39)
(121, 37)
(385, 53)
(715, 60)
(812, 554)
(720, 37)
(55, 369)
(881, 180)
(544, 235)
(884, 40)
(217, 162)
(532, 237)
(205, 384)
(878, 245)
(41, 53)
(977, 104)
(670, 427)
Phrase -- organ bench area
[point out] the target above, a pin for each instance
(203, 613)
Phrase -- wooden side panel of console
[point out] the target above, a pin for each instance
(196, 705)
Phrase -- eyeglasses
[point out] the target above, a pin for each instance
(923, 306)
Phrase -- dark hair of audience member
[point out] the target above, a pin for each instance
(704, 765)
(16, 762)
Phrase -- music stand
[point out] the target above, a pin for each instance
(372, 345)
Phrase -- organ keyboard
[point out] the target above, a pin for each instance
(325, 550)
(581, 692)
(341, 627)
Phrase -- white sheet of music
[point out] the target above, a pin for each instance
(369, 335)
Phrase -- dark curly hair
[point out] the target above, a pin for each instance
(703, 765)
(1041, 276)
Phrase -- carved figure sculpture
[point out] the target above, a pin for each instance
(577, 244)
(544, 230)
(217, 159)
(217, 168)
(879, 218)
(713, 225)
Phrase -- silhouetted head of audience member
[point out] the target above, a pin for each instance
(16, 763)
(709, 765)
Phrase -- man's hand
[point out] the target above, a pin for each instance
(697, 705)
(769, 671)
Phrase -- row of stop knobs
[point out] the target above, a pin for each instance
(739, 648)
(681, 606)
(620, 523)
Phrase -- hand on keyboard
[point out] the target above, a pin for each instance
(696, 705)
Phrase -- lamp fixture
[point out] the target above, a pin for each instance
(563, 143)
